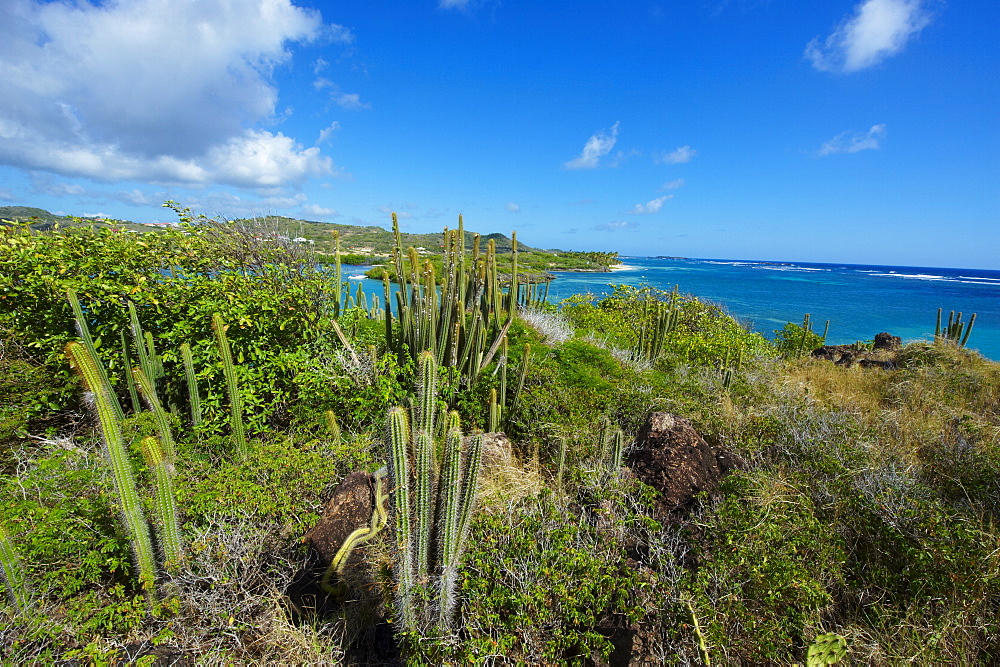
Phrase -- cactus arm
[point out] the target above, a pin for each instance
(232, 386)
(159, 414)
(12, 572)
(192, 383)
(163, 500)
(135, 521)
(398, 438)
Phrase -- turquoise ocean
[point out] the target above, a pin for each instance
(858, 300)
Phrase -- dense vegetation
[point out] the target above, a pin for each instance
(866, 515)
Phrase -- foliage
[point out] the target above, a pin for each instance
(538, 581)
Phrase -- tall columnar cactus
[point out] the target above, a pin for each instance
(161, 466)
(232, 385)
(132, 515)
(430, 510)
(91, 347)
(160, 415)
(460, 317)
(12, 572)
(953, 331)
(657, 321)
(194, 397)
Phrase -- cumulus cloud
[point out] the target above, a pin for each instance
(651, 206)
(150, 90)
(677, 156)
(513, 207)
(877, 29)
(596, 147)
(316, 209)
(672, 185)
(852, 142)
(327, 132)
(616, 226)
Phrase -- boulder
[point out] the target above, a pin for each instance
(674, 459)
(886, 341)
(350, 508)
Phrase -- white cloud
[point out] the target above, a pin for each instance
(852, 142)
(349, 101)
(152, 90)
(513, 207)
(672, 185)
(651, 206)
(622, 156)
(596, 147)
(315, 209)
(327, 133)
(878, 29)
(677, 156)
(615, 226)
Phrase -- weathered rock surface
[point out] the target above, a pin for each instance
(674, 459)
(350, 508)
(882, 354)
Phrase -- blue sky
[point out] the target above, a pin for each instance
(833, 131)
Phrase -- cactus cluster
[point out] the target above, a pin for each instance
(462, 320)
(612, 446)
(232, 385)
(658, 319)
(955, 331)
(431, 504)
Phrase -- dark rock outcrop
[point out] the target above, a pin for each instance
(674, 459)
(350, 508)
(881, 355)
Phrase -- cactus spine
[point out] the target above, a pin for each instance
(232, 386)
(135, 522)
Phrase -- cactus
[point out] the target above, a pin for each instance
(159, 414)
(232, 386)
(462, 318)
(828, 649)
(657, 321)
(162, 468)
(430, 511)
(562, 464)
(135, 522)
(953, 332)
(13, 573)
(194, 397)
(91, 347)
(333, 427)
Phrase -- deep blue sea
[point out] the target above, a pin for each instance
(860, 301)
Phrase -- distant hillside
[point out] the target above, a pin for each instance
(366, 244)
(24, 213)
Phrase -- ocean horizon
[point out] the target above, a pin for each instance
(859, 300)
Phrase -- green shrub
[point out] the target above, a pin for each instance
(766, 567)
(539, 583)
